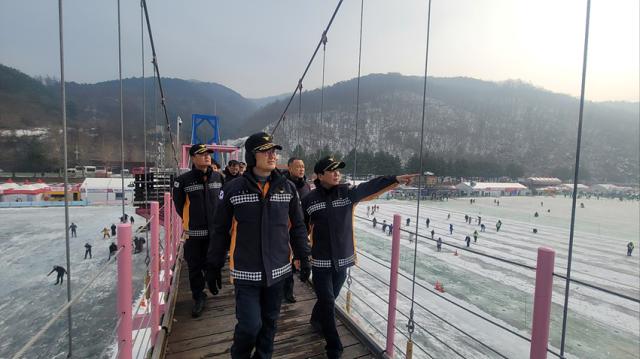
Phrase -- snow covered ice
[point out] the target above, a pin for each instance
(32, 240)
(599, 325)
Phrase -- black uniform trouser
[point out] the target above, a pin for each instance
(195, 253)
(327, 285)
(87, 252)
(60, 278)
(257, 311)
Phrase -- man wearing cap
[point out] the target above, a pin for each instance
(329, 212)
(195, 195)
(295, 174)
(258, 218)
(232, 171)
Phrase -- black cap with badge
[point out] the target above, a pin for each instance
(327, 164)
(258, 142)
(198, 149)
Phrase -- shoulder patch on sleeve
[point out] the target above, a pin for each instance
(221, 195)
(176, 184)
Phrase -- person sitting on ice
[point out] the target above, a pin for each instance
(61, 272)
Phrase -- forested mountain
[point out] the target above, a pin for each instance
(472, 127)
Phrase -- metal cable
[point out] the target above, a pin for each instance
(157, 70)
(144, 126)
(324, 53)
(66, 174)
(521, 265)
(406, 316)
(299, 114)
(65, 307)
(301, 80)
(575, 182)
(111, 336)
(436, 315)
(456, 304)
(364, 317)
(355, 141)
(121, 110)
(410, 323)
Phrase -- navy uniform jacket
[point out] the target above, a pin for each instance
(253, 223)
(195, 195)
(329, 219)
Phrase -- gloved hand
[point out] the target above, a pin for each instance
(214, 280)
(305, 269)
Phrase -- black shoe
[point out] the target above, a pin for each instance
(290, 298)
(198, 306)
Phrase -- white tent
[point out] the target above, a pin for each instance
(107, 190)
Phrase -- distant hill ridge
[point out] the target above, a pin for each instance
(506, 122)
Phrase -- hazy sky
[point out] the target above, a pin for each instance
(259, 48)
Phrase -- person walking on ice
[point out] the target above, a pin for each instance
(629, 248)
(433, 232)
(498, 225)
(113, 229)
(439, 244)
(428, 221)
(61, 272)
(468, 240)
(450, 228)
(112, 250)
(87, 251)
(475, 236)
(73, 228)
(105, 233)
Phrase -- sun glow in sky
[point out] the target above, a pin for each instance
(260, 48)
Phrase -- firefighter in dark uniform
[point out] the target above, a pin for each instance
(328, 211)
(258, 220)
(195, 195)
(295, 174)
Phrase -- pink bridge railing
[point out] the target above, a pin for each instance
(160, 289)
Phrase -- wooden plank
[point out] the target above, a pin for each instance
(211, 334)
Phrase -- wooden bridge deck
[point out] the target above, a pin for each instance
(211, 335)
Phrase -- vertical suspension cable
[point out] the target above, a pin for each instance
(299, 113)
(575, 181)
(410, 324)
(121, 109)
(66, 175)
(324, 53)
(144, 129)
(156, 138)
(355, 141)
